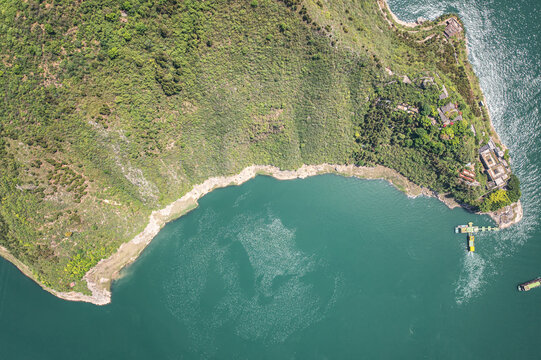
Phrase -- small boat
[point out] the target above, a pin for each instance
(528, 285)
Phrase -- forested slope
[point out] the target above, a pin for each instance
(113, 109)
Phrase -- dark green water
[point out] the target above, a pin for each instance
(326, 267)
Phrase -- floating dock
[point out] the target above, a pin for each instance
(470, 229)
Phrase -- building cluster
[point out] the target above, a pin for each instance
(407, 108)
(449, 114)
(452, 28)
(468, 176)
(495, 165)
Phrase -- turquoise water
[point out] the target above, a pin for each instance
(326, 267)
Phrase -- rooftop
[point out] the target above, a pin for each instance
(444, 93)
(496, 167)
(446, 113)
(452, 28)
(484, 148)
(448, 107)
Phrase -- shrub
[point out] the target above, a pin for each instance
(49, 29)
(514, 188)
(104, 110)
(112, 53)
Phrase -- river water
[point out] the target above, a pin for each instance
(327, 267)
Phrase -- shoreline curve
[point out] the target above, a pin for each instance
(100, 277)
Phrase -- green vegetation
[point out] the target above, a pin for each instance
(114, 109)
(501, 198)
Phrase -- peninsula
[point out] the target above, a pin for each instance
(118, 117)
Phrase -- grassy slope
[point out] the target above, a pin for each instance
(113, 110)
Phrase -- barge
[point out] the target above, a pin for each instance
(528, 285)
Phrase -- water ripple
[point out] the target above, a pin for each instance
(505, 56)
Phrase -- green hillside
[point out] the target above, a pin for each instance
(113, 109)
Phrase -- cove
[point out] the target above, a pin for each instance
(322, 267)
(348, 268)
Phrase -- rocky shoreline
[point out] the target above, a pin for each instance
(505, 217)
(100, 277)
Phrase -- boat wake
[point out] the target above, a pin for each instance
(505, 58)
(471, 279)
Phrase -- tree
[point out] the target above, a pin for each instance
(425, 122)
(514, 188)
(496, 200)
(425, 109)
(437, 147)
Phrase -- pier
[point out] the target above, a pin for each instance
(470, 229)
